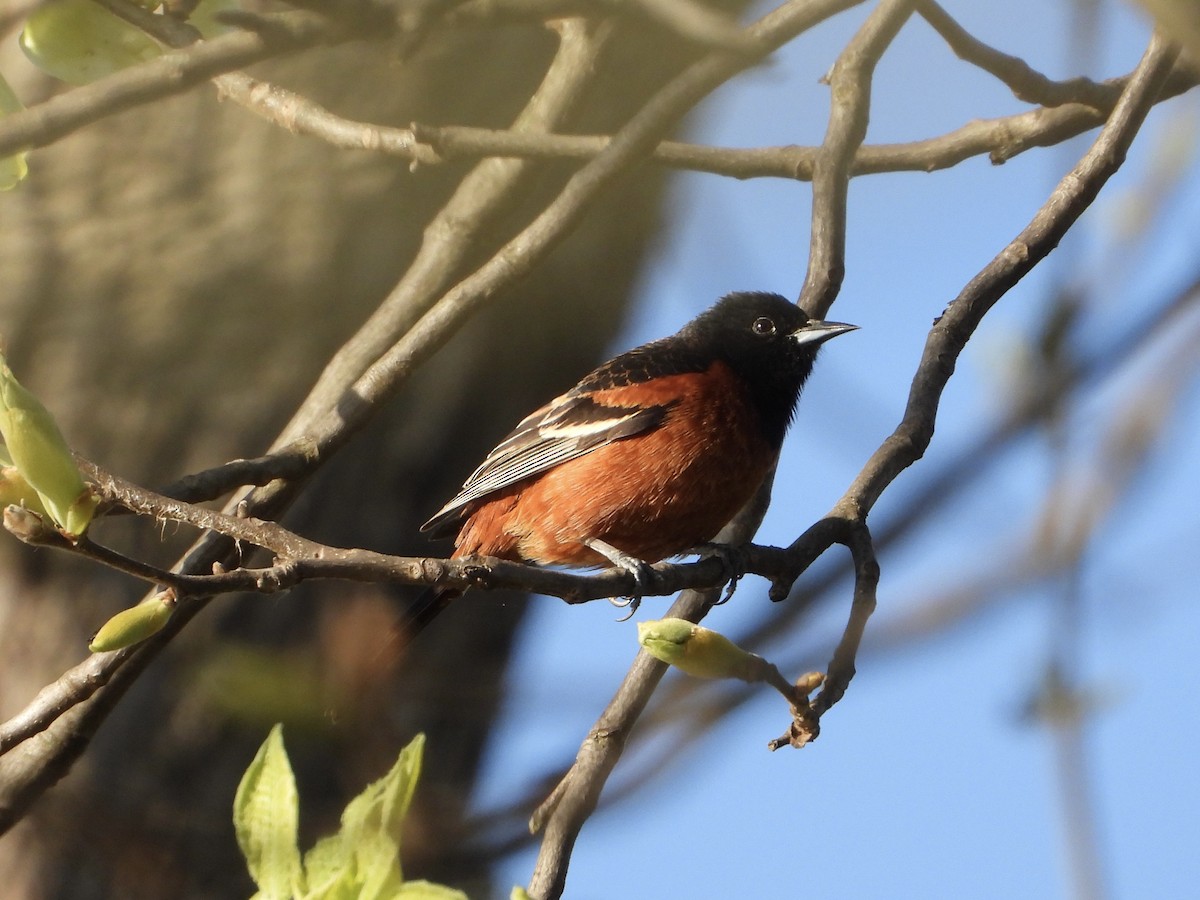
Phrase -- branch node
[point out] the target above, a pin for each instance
(478, 574)
(27, 526)
(806, 721)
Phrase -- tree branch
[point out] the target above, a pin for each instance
(1000, 139)
(27, 777)
(850, 92)
(299, 559)
(172, 73)
(957, 324)
(1025, 82)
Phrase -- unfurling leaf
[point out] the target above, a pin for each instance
(383, 804)
(360, 862)
(266, 817)
(41, 455)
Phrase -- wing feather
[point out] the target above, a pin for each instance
(565, 429)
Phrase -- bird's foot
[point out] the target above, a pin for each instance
(732, 558)
(629, 603)
(643, 575)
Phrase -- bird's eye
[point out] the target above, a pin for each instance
(762, 326)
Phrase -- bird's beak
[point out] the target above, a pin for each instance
(816, 332)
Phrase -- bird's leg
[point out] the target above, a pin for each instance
(643, 576)
(731, 557)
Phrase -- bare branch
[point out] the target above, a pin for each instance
(866, 581)
(1000, 139)
(850, 90)
(954, 328)
(1025, 82)
(291, 461)
(696, 22)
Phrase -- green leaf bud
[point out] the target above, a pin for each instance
(697, 650)
(41, 455)
(133, 625)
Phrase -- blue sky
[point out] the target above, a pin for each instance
(926, 781)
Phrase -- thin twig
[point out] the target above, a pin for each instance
(290, 461)
(866, 581)
(1000, 139)
(850, 91)
(1025, 82)
(954, 328)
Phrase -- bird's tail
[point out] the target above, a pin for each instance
(424, 610)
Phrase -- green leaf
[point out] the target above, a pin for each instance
(360, 862)
(78, 41)
(365, 854)
(132, 625)
(382, 806)
(329, 870)
(377, 866)
(13, 169)
(427, 890)
(42, 456)
(266, 814)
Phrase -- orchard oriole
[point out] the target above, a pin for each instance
(647, 457)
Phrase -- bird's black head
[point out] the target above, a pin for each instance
(769, 343)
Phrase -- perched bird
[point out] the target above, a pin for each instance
(647, 457)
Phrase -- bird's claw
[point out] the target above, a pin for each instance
(629, 603)
(643, 579)
(733, 559)
(643, 576)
